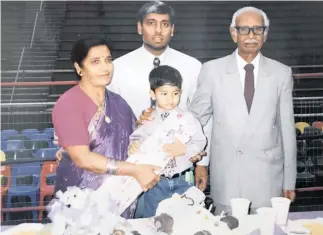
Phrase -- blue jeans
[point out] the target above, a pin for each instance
(163, 190)
(140, 206)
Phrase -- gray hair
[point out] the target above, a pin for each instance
(248, 9)
(156, 7)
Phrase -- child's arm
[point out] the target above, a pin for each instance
(197, 142)
(141, 133)
(137, 137)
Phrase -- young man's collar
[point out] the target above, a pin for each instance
(152, 56)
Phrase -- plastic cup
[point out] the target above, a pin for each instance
(240, 207)
(267, 217)
(281, 207)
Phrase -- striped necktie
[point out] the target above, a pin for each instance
(156, 62)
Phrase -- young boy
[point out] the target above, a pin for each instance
(183, 141)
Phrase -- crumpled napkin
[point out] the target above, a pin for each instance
(85, 212)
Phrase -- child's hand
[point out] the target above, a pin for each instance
(133, 147)
(175, 149)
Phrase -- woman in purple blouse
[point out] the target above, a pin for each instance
(93, 126)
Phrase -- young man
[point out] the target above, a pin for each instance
(173, 132)
(156, 25)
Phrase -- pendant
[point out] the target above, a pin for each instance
(107, 119)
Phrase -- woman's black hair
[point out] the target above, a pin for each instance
(82, 47)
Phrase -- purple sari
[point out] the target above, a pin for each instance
(109, 136)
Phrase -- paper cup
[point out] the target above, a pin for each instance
(240, 207)
(267, 216)
(281, 207)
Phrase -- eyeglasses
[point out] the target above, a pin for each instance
(257, 30)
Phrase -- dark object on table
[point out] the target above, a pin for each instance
(208, 202)
(135, 233)
(204, 232)
(164, 223)
(231, 221)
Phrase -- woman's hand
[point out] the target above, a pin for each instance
(145, 116)
(133, 147)
(146, 176)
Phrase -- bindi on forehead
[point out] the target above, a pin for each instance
(101, 57)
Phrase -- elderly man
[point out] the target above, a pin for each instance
(253, 138)
(155, 24)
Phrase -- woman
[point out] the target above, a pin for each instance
(93, 126)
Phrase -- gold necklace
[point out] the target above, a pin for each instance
(101, 109)
(101, 106)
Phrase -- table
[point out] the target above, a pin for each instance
(294, 216)
(300, 215)
(278, 231)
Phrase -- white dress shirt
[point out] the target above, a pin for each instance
(131, 76)
(241, 63)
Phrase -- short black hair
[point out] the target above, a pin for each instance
(157, 7)
(82, 47)
(165, 75)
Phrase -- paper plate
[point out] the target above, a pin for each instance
(297, 226)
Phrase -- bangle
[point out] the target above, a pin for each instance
(112, 167)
